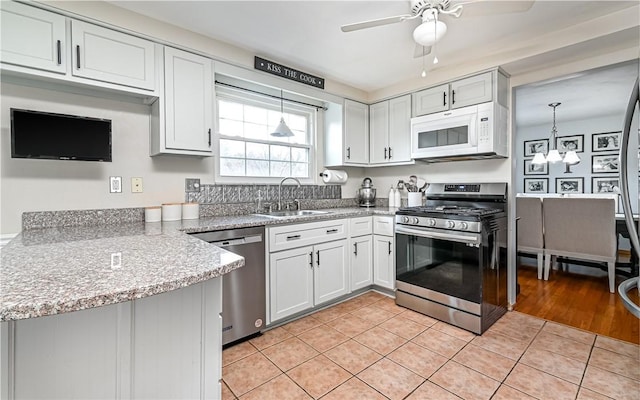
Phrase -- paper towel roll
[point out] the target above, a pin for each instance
(334, 176)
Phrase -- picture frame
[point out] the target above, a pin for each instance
(608, 141)
(536, 185)
(535, 169)
(605, 184)
(570, 185)
(605, 164)
(568, 143)
(531, 147)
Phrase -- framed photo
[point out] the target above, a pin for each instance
(536, 185)
(531, 147)
(606, 163)
(535, 169)
(605, 184)
(569, 185)
(568, 143)
(609, 141)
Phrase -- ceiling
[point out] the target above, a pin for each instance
(306, 34)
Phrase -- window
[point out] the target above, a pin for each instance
(246, 148)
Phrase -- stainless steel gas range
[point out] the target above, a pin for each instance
(451, 255)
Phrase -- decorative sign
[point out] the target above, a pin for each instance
(289, 73)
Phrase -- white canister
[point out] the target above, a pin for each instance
(190, 210)
(414, 199)
(172, 212)
(392, 197)
(153, 214)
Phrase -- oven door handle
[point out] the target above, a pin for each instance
(462, 238)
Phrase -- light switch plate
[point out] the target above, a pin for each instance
(136, 185)
(192, 185)
(115, 184)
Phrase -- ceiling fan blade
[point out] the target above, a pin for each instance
(478, 8)
(420, 51)
(373, 22)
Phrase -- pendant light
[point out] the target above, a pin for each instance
(282, 130)
(570, 158)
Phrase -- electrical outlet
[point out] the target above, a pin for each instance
(136, 185)
(192, 185)
(115, 184)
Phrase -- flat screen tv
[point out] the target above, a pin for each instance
(43, 135)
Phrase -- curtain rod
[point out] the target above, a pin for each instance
(271, 95)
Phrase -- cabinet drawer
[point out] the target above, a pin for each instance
(360, 226)
(383, 225)
(292, 236)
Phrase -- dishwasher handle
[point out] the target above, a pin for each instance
(238, 241)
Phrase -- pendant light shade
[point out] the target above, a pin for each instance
(282, 130)
(571, 157)
(554, 156)
(539, 159)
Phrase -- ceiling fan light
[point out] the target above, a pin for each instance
(282, 130)
(426, 34)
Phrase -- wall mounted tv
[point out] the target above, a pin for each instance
(43, 135)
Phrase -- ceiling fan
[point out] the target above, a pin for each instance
(431, 30)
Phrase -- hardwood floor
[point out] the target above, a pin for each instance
(581, 300)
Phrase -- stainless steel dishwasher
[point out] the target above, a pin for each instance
(243, 289)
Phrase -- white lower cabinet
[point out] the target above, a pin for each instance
(361, 261)
(308, 266)
(383, 261)
(290, 282)
(384, 266)
(330, 271)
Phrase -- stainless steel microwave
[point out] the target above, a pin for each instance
(472, 132)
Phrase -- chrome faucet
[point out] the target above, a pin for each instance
(280, 190)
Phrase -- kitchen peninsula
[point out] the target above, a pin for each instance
(111, 311)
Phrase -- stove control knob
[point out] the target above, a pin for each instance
(464, 225)
(432, 222)
(405, 220)
(416, 221)
(451, 224)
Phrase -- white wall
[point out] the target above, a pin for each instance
(42, 185)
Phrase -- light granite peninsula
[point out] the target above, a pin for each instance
(111, 312)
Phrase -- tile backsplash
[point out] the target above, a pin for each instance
(230, 194)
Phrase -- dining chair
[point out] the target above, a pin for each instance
(530, 228)
(580, 228)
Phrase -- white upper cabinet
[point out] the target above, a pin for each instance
(390, 131)
(32, 37)
(346, 140)
(110, 56)
(431, 100)
(188, 101)
(461, 93)
(473, 90)
(356, 132)
(379, 132)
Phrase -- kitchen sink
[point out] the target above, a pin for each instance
(291, 213)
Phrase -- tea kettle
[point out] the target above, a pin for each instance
(366, 195)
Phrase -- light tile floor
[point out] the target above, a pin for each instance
(370, 348)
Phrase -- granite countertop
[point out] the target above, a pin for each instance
(57, 270)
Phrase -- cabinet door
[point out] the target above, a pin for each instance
(473, 90)
(431, 100)
(290, 282)
(356, 132)
(189, 97)
(379, 132)
(361, 261)
(331, 271)
(32, 37)
(109, 56)
(384, 261)
(400, 129)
